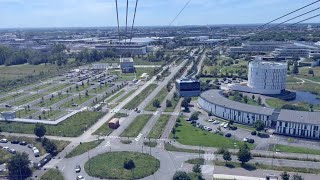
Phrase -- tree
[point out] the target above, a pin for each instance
(226, 156)
(310, 71)
(285, 176)
(253, 97)
(173, 131)
(180, 175)
(156, 103)
(259, 125)
(297, 177)
(185, 104)
(188, 99)
(175, 95)
(40, 130)
(245, 99)
(259, 100)
(295, 69)
(311, 107)
(129, 164)
(18, 166)
(231, 122)
(168, 103)
(196, 168)
(194, 116)
(244, 154)
(49, 146)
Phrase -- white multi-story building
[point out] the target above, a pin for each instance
(299, 123)
(264, 78)
(134, 49)
(256, 48)
(213, 101)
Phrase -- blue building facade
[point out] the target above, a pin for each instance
(188, 87)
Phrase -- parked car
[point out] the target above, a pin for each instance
(15, 142)
(210, 120)
(23, 143)
(30, 146)
(3, 140)
(227, 135)
(78, 169)
(8, 106)
(254, 133)
(6, 148)
(216, 122)
(245, 139)
(209, 129)
(226, 125)
(13, 151)
(233, 128)
(250, 141)
(80, 177)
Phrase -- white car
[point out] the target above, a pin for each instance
(245, 139)
(226, 125)
(6, 148)
(80, 177)
(3, 140)
(210, 120)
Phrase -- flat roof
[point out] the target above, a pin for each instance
(185, 80)
(126, 59)
(215, 97)
(299, 116)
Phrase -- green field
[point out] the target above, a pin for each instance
(100, 89)
(52, 115)
(43, 86)
(170, 147)
(25, 113)
(115, 96)
(250, 101)
(158, 128)
(160, 96)
(28, 99)
(136, 126)
(59, 87)
(189, 135)
(77, 100)
(126, 96)
(83, 147)
(54, 100)
(307, 87)
(145, 165)
(278, 103)
(72, 127)
(303, 73)
(52, 174)
(11, 97)
(173, 107)
(141, 97)
(292, 149)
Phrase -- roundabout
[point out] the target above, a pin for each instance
(114, 165)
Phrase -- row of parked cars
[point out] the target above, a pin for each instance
(35, 150)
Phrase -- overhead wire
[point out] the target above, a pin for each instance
(125, 41)
(118, 19)
(181, 12)
(134, 18)
(304, 20)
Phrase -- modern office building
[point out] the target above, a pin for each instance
(264, 78)
(100, 66)
(299, 123)
(188, 87)
(285, 122)
(127, 65)
(213, 101)
(8, 115)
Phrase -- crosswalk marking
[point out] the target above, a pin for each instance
(107, 144)
(113, 137)
(138, 137)
(209, 157)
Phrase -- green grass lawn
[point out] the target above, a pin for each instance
(136, 126)
(126, 96)
(307, 87)
(141, 97)
(100, 89)
(59, 87)
(118, 94)
(292, 149)
(77, 100)
(173, 107)
(25, 114)
(72, 127)
(150, 143)
(291, 79)
(196, 161)
(43, 86)
(28, 99)
(54, 100)
(4, 156)
(52, 174)
(158, 128)
(250, 101)
(190, 135)
(52, 115)
(278, 103)
(84, 147)
(10, 97)
(145, 165)
(160, 96)
(170, 147)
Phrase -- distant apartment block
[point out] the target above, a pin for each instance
(133, 49)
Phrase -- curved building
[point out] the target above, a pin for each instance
(267, 77)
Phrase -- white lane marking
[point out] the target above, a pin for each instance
(138, 137)
(63, 168)
(107, 144)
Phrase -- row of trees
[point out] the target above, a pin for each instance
(14, 56)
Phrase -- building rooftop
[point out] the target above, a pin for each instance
(215, 97)
(299, 116)
(186, 80)
(122, 60)
(265, 64)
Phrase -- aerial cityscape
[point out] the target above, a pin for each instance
(160, 90)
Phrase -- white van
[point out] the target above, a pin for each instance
(36, 152)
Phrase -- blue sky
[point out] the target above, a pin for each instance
(87, 13)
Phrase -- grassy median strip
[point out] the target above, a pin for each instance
(173, 107)
(292, 149)
(84, 147)
(28, 99)
(158, 128)
(126, 96)
(52, 174)
(54, 100)
(118, 94)
(104, 130)
(191, 135)
(251, 167)
(141, 97)
(71, 127)
(77, 100)
(170, 147)
(160, 96)
(136, 126)
(196, 161)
